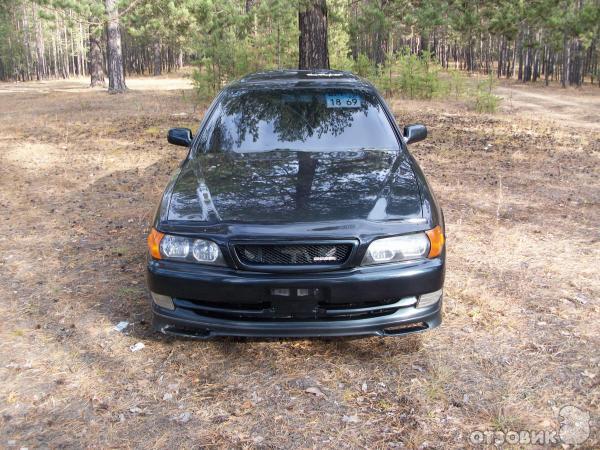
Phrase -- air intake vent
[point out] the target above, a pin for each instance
(293, 254)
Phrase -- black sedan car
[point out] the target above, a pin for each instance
(298, 211)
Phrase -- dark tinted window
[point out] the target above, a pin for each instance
(298, 120)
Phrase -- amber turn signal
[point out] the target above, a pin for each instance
(154, 239)
(436, 240)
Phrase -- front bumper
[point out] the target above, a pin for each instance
(217, 301)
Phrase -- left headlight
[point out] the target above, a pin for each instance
(181, 248)
(428, 244)
(397, 248)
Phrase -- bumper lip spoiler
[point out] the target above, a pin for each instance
(327, 311)
(202, 327)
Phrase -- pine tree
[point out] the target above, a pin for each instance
(313, 49)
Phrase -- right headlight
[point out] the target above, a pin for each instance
(181, 248)
(407, 247)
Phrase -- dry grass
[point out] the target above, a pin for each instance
(81, 171)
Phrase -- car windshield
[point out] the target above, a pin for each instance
(249, 121)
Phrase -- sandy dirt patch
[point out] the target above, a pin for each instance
(576, 107)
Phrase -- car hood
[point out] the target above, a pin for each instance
(288, 186)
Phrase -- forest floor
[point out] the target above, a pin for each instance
(80, 174)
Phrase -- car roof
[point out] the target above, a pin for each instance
(295, 78)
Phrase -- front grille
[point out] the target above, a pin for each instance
(293, 254)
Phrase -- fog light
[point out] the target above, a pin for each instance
(164, 301)
(429, 299)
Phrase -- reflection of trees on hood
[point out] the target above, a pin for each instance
(294, 120)
(296, 186)
(299, 181)
(304, 180)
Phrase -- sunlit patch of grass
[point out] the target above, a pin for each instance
(55, 290)
(153, 130)
(475, 314)
(121, 251)
(348, 395)
(385, 405)
(501, 421)
(107, 130)
(435, 389)
(127, 292)
(191, 125)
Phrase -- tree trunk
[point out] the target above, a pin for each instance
(116, 77)
(26, 44)
(514, 60)
(380, 47)
(66, 59)
(39, 44)
(278, 45)
(60, 61)
(77, 66)
(81, 55)
(547, 64)
(354, 40)
(424, 39)
(501, 56)
(565, 62)
(157, 59)
(520, 72)
(55, 56)
(95, 59)
(250, 4)
(312, 48)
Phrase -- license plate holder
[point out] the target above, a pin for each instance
(295, 303)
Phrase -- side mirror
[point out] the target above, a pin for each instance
(415, 133)
(180, 136)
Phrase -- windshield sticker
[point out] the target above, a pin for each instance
(297, 98)
(343, 100)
